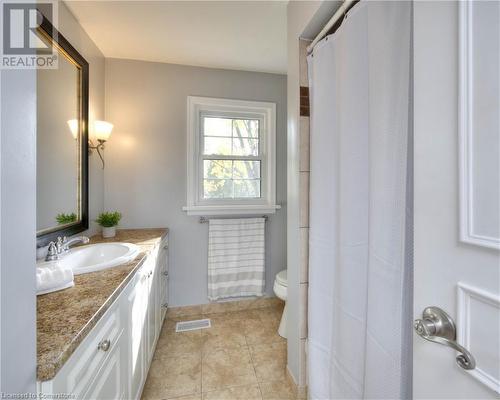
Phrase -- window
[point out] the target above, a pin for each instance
(231, 157)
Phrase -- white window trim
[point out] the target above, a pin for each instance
(266, 112)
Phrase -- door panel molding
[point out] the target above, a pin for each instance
(473, 305)
(469, 210)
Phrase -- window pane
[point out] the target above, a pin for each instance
(245, 147)
(231, 179)
(246, 128)
(218, 132)
(229, 169)
(246, 169)
(218, 169)
(217, 126)
(231, 189)
(217, 188)
(247, 188)
(217, 145)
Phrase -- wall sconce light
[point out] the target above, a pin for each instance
(102, 131)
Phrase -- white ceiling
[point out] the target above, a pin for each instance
(242, 35)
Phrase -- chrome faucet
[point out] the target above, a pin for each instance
(68, 243)
(62, 245)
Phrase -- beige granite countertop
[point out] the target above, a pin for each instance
(65, 318)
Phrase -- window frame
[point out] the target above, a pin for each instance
(265, 112)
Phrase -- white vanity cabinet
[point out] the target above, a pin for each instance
(112, 362)
(162, 280)
(136, 310)
(152, 308)
(95, 366)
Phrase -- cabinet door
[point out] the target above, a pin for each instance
(109, 383)
(151, 317)
(136, 344)
(163, 280)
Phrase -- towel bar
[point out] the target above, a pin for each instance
(205, 219)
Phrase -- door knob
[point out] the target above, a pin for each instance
(438, 327)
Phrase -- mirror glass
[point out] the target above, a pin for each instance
(58, 146)
(62, 108)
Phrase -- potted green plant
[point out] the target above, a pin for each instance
(108, 221)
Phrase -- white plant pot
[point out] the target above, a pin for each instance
(108, 232)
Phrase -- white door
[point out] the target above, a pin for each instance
(457, 174)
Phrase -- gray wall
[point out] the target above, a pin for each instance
(145, 175)
(17, 232)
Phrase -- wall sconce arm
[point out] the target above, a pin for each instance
(98, 148)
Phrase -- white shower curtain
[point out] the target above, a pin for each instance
(360, 207)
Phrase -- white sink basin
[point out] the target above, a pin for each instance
(96, 257)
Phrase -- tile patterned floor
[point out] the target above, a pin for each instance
(241, 357)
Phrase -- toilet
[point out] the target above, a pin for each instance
(280, 290)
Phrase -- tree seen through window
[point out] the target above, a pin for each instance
(231, 165)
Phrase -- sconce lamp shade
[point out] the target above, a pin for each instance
(102, 130)
(73, 127)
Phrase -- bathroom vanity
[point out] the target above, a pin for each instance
(96, 340)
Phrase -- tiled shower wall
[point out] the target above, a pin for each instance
(304, 209)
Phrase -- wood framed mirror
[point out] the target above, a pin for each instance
(62, 140)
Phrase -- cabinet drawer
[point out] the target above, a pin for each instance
(81, 369)
(108, 382)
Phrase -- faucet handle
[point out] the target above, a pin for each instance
(65, 247)
(52, 253)
(60, 245)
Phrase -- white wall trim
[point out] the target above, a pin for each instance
(465, 132)
(464, 320)
(231, 210)
(266, 111)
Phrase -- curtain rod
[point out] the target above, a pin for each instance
(341, 11)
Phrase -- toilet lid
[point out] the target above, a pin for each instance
(281, 278)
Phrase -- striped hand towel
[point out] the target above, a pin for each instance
(236, 257)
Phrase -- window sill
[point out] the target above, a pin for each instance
(231, 210)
